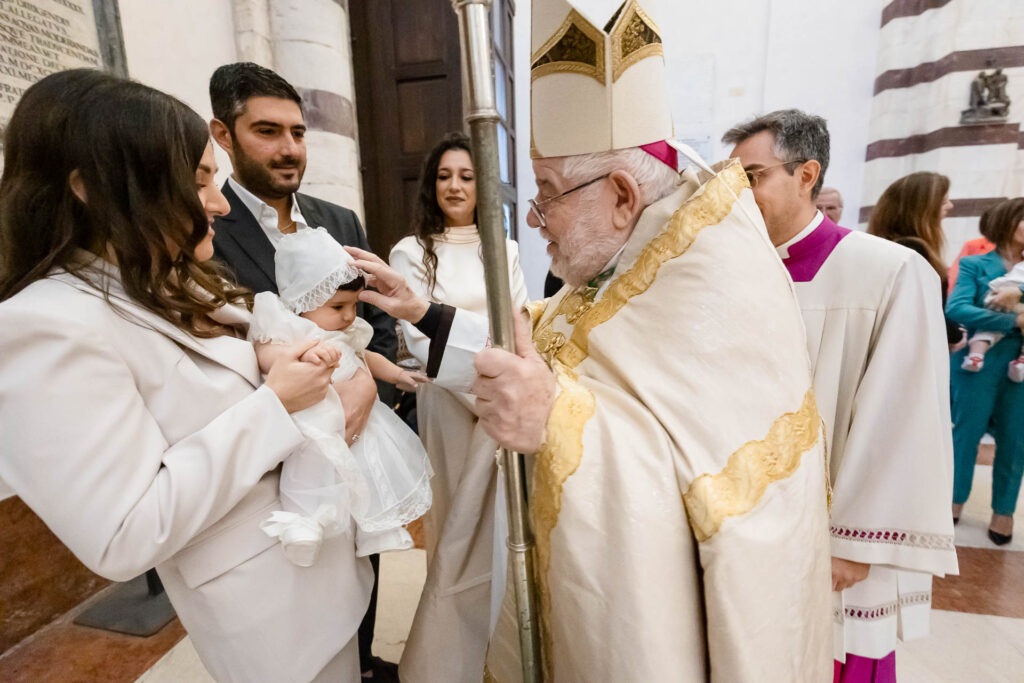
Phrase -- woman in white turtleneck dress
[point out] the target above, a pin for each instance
(449, 636)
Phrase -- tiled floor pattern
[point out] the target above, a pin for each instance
(977, 626)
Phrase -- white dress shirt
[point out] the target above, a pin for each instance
(265, 214)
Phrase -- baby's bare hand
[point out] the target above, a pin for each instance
(298, 384)
(410, 380)
(322, 354)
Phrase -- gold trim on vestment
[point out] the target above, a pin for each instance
(535, 310)
(622, 35)
(738, 488)
(562, 452)
(556, 461)
(595, 71)
(709, 205)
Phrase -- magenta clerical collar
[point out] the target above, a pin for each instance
(808, 255)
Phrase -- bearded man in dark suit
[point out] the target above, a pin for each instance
(258, 120)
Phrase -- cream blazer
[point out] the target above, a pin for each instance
(140, 445)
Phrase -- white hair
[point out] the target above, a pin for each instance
(656, 179)
(588, 244)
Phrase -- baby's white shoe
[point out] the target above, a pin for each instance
(1016, 370)
(301, 544)
(973, 362)
(300, 536)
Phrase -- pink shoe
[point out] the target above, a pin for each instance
(1016, 370)
(973, 362)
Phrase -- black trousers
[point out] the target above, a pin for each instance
(369, 620)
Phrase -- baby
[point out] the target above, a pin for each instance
(982, 341)
(383, 480)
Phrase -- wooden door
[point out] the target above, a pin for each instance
(405, 55)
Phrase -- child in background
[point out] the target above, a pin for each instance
(980, 342)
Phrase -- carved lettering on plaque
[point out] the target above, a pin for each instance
(39, 37)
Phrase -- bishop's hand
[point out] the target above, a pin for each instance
(393, 294)
(515, 393)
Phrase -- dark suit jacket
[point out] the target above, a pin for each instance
(241, 244)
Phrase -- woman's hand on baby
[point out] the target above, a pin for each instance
(410, 380)
(358, 394)
(322, 354)
(298, 384)
(1005, 298)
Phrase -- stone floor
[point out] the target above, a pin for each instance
(977, 622)
(977, 628)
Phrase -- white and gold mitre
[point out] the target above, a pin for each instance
(595, 90)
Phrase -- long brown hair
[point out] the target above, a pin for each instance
(427, 218)
(136, 151)
(1003, 221)
(910, 211)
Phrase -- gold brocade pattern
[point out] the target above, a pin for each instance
(576, 47)
(556, 461)
(828, 467)
(534, 310)
(709, 205)
(636, 38)
(756, 464)
(573, 306)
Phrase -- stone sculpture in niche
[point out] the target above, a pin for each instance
(989, 100)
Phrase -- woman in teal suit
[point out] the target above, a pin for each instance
(986, 400)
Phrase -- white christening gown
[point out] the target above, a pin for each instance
(382, 481)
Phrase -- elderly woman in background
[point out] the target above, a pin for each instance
(134, 421)
(987, 396)
(910, 212)
(441, 261)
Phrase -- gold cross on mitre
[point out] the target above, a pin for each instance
(595, 90)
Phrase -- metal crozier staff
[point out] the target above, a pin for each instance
(483, 117)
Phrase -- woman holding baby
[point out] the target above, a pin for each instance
(987, 391)
(135, 421)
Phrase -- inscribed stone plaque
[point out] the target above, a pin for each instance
(39, 37)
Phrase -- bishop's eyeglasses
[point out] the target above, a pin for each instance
(539, 213)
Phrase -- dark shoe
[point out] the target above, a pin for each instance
(381, 671)
(958, 508)
(999, 539)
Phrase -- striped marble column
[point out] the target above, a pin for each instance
(308, 43)
(929, 52)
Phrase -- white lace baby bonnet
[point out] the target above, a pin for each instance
(309, 267)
